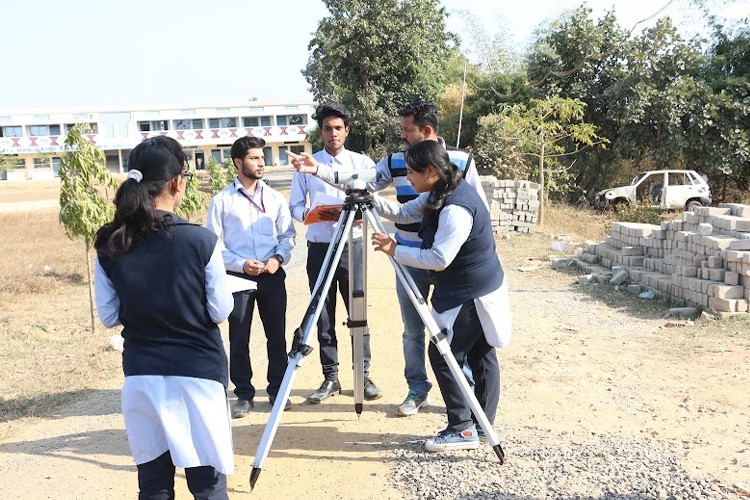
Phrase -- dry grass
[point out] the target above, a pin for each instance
(47, 350)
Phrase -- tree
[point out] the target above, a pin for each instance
(374, 56)
(192, 201)
(220, 174)
(546, 130)
(83, 206)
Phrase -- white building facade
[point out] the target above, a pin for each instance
(32, 141)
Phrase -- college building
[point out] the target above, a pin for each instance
(33, 140)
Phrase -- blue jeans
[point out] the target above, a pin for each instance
(415, 368)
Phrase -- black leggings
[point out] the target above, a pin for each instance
(156, 481)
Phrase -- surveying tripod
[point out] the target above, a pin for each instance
(358, 203)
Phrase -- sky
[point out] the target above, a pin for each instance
(89, 53)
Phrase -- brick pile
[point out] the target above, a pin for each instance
(514, 205)
(702, 259)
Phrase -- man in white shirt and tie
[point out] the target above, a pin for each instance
(333, 126)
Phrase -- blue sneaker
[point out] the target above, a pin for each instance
(448, 440)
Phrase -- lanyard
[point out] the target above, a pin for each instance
(261, 208)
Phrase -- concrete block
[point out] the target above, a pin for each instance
(619, 278)
(634, 289)
(728, 291)
(731, 278)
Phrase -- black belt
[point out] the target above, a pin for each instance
(315, 244)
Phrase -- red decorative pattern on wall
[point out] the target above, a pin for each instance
(232, 132)
(266, 131)
(199, 134)
(249, 132)
(53, 141)
(283, 131)
(215, 133)
(180, 135)
(32, 141)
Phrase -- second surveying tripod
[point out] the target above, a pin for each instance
(358, 206)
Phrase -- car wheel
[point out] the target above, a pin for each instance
(689, 206)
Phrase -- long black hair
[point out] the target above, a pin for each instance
(418, 158)
(156, 160)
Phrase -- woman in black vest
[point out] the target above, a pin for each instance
(458, 245)
(163, 280)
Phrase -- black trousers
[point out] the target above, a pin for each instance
(271, 299)
(468, 343)
(329, 357)
(156, 481)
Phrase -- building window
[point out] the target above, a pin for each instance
(17, 163)
(297, 149)
(144, 126)
(222, 122)
(41, 162)
(183, 124)
(283, 157)
(291, 120)
(256, 121)
(43, 130)
(198, 123)
(267, 156)
(160, 125)
(12, 131)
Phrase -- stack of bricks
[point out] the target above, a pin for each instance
(514, 205)
(702, 259)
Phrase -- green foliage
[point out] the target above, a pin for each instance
(643, 214)
(83, 206)
(220, 175)
(374, 56)
(545, 130)
(192, 201)
(83, 177)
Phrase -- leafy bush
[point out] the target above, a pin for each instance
(643, 214)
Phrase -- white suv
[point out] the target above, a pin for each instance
(663, 188)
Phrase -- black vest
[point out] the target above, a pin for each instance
(163, 306)
(476, 270)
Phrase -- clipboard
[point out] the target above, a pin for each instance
(321, 204)
(315, 215)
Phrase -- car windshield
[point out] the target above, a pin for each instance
(638, 178)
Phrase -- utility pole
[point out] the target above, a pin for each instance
(461, 111)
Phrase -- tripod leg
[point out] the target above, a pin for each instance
(300, 346)
(439, 338)
(358, 315)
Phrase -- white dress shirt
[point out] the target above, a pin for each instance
(251, 230)
(305, 187)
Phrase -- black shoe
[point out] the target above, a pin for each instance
(287, 405)
(242, 407)
(372, 391)
(327, 388)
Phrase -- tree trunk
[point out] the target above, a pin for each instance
(91, 287)
(542, 197)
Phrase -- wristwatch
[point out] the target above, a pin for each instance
(279, 258)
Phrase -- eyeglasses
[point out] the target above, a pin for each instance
(187, 175)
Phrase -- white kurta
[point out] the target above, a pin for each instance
(188, 416)
(454, 226)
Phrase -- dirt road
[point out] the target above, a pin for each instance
(576, 363)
